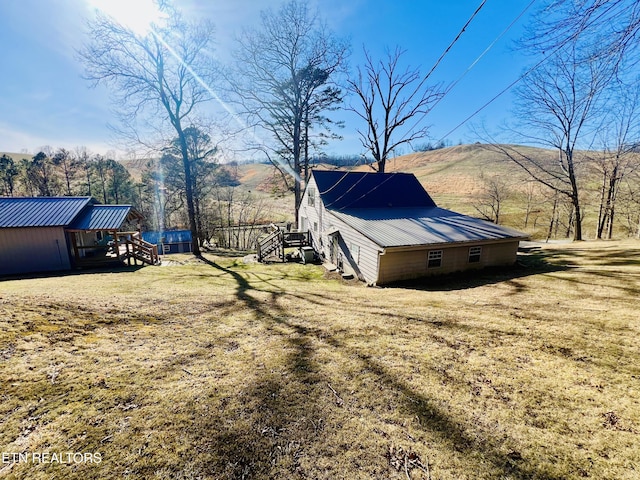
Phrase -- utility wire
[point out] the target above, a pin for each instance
(503, 91)
(473, 64)
(446, 51)
(491, 45)
(454, 40)
(560, 45)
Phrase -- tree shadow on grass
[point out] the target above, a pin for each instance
(278, 414)
(274, 433)
(120, 268)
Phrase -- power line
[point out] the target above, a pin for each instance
(491, 45)
(559, 46)
(502, 92)
(473, 64)
(454, 40)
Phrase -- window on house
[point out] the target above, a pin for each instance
(311, 196)
(435, 259)
(315, 226)
(355, 253)
(303, 224)
(474, 254)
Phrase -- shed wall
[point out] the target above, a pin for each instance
(25, 250)
(404, 265)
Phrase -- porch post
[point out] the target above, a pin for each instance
(74, 244)
(116, 245)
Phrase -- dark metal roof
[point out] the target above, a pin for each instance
(101, 217)
(40, 211)
(340, 190)
(402, 227)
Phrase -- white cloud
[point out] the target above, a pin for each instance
(17, 141)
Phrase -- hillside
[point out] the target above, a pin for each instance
(451, 175)
(446, 173)
(457, 178)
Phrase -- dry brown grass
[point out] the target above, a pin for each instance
(219, 369)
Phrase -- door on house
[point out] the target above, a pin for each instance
(336, 256)
(334, 249)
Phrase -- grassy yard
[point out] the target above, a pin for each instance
(217, 370)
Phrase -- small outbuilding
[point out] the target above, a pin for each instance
(384, 227)
(41, 234)
(170, 241)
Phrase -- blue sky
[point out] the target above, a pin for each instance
(44, 100)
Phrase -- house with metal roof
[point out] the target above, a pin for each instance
(385, 227)
(39, 234)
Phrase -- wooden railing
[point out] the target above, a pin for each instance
(138, 249)
(296, 239)
(274, 243)
(270, 244)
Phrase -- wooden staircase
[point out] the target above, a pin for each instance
(135, 248)
(272, 244)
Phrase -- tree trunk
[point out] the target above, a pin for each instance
(191, 212)
(575, 198)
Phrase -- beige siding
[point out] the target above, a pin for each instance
(24, 250)
(308, 215)
(406, 264)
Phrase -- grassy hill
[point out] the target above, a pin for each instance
(218, 369)
(453, 174)
(17, 156)
(456, 179)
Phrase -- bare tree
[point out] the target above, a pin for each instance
(390, 97)
(163, 77)
(202, 164)
(630, 208)
(619, 137)
(282, 80)
(610, 28)
(531, 196)
(557, 103)
(494, 193)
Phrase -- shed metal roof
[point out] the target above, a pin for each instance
(402, 227)
(167, 236)
(20, 212)
(101, 217)
(394, 210)
(340, 190)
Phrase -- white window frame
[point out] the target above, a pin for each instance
(475, 253)
(311, 196)
(355, 253)
(433, 257)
